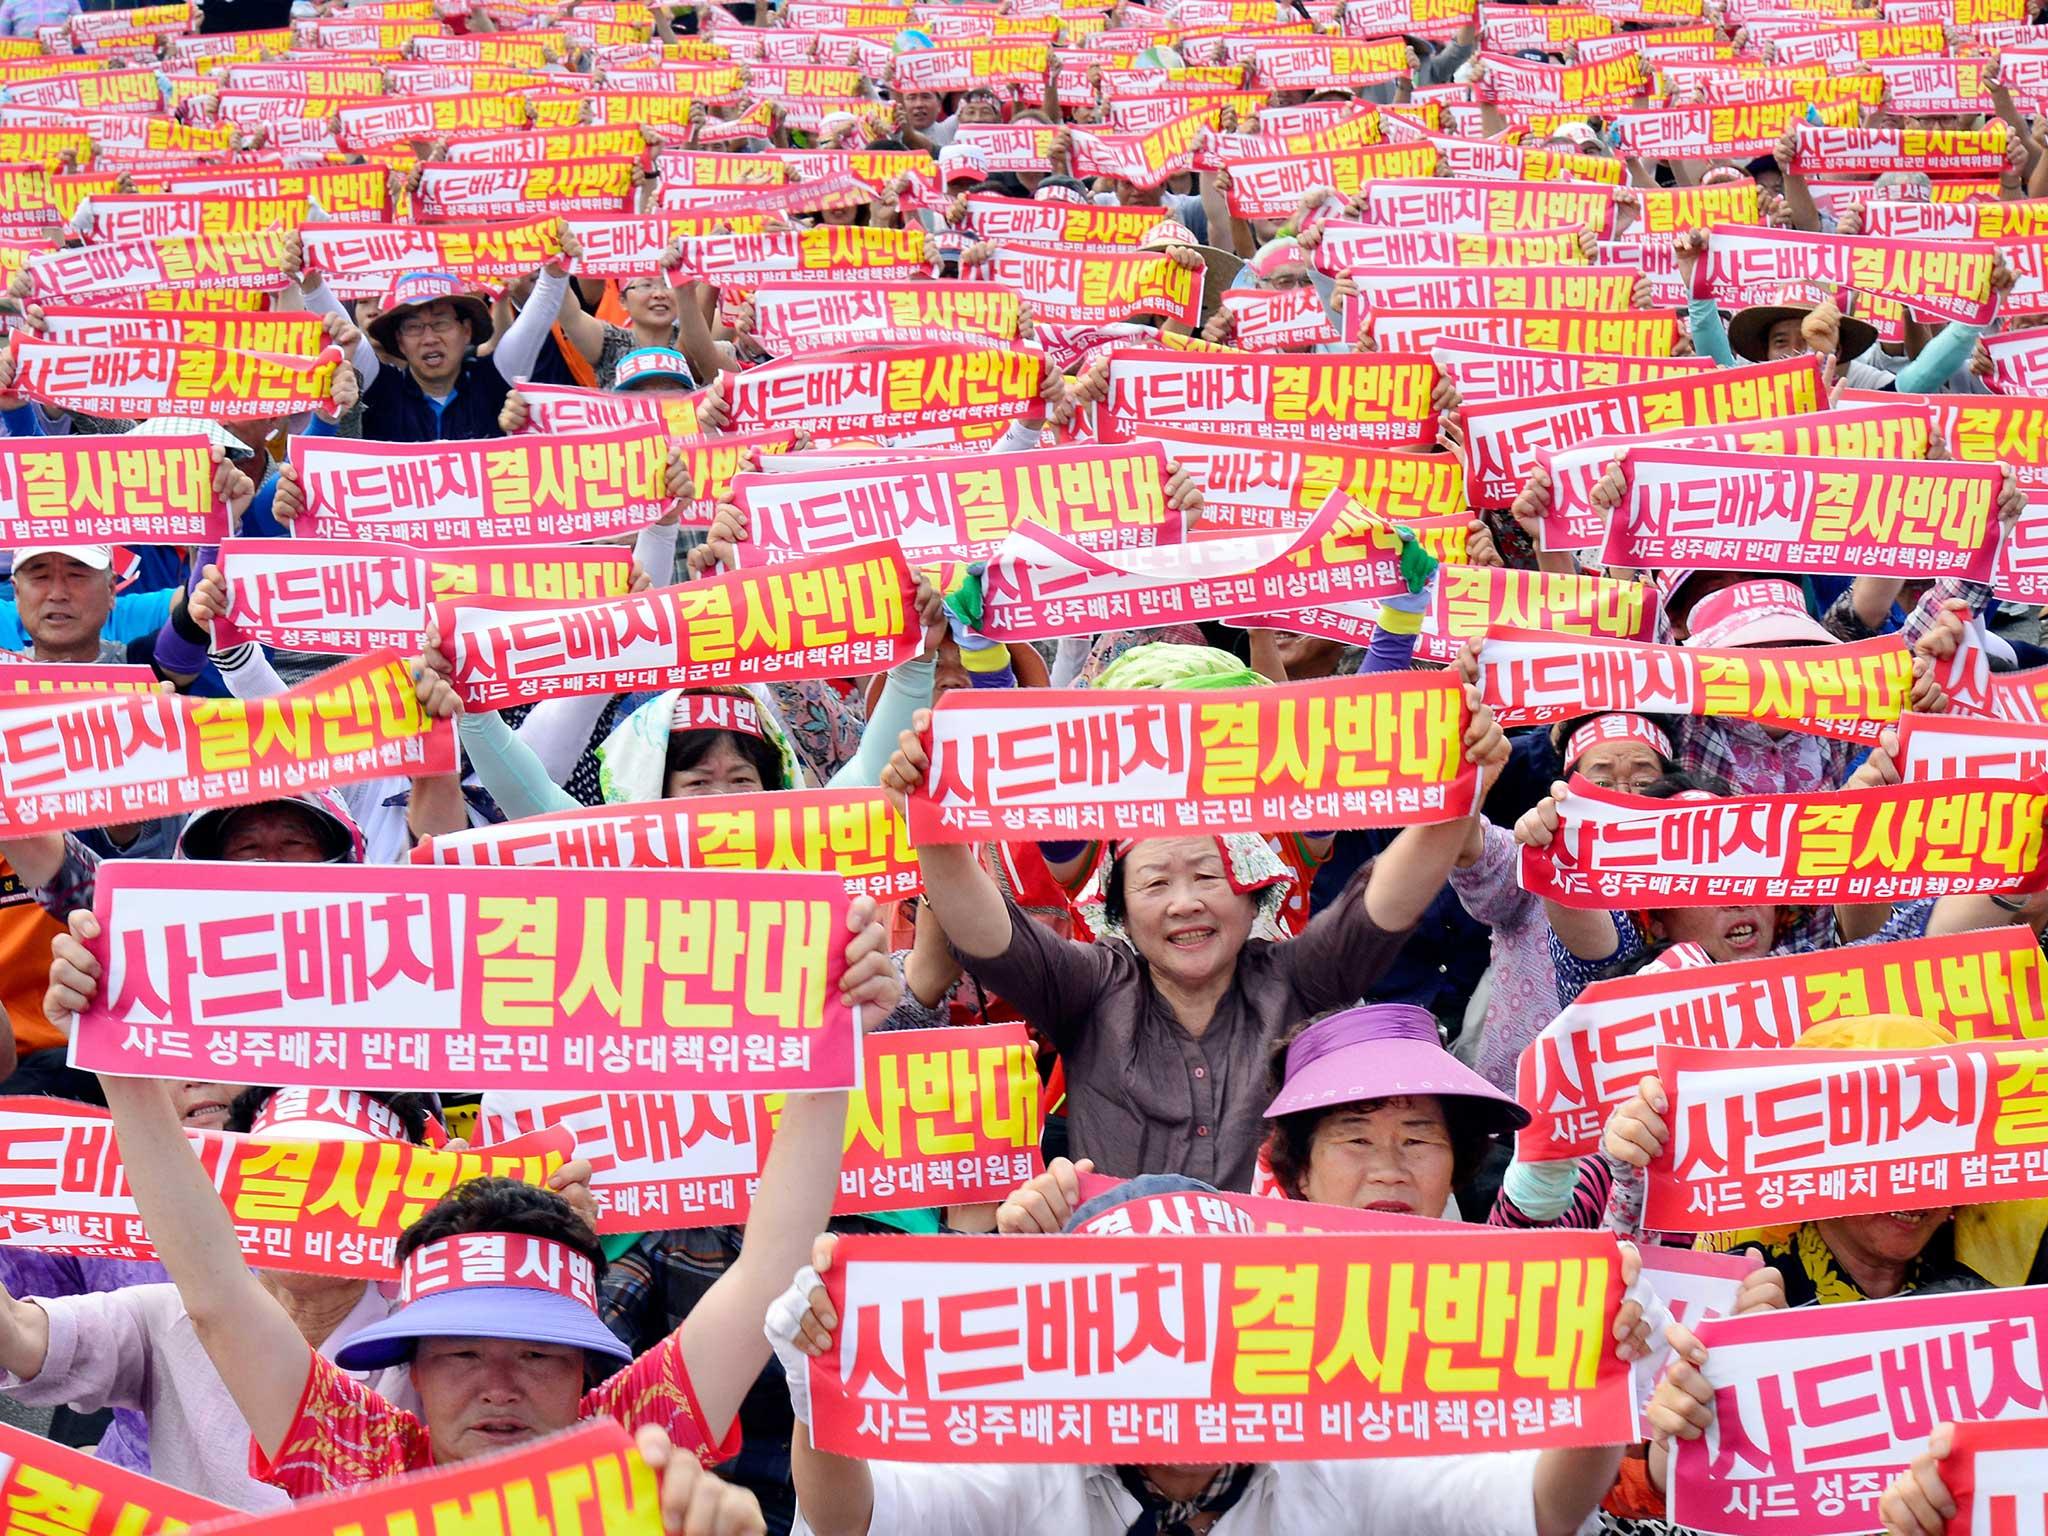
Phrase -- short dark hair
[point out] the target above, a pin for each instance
(1681, 781)
(503, 1205)
(413, 1110)
(686, 749)
(1290, 1139)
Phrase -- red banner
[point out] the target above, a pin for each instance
(1097, 287)
(1453, 207)
(1486, 373)
(1998, 1476)
(1951, 747)
(320, 1208)
(19, 676)
(1592, 290)
(1990, 984)
(293, 333)
(952, 510)
(1380, 399)
(1271, 188)
(1504, 439)
(1251, 487)
(835, 615)
(828, 254)
(948, 1350)
(1698, 508)
(1898, 843)
(1947, 279)
(41, 1480)
(2019, 361)
(332, 975)
(1822, 1133)
(815, 317)
(1638, 333)
(1286, 319)
(246, 260)
(113, 758)
(1385, 750)
(98, 490)
(458, 190)
(519, 490)
(353, 596)
(942, 1117)
(1869, 151)
(858, 392)
(136, 379)
(1697, 131)
(1072, 226)
(1346, 245)
(1847, 692)
(1817, 1409)
(359, 261)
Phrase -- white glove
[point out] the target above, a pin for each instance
(785, 1315)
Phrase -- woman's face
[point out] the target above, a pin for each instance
(1628, 766)
(1725, 933)
(649, 301)
(724, 770)
(1382, 1155)
(1182, 915)
(1885, 1241)
(1307, 657)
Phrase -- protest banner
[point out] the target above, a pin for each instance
(291, 334)
(791, 317)
(1095, 287)
(845, 613)
(1345, 245)
(1954, 747)
(827, 254)
(1486, 373)
(1988, 984)
(312, 1207)
(1895, 843)
(359, 261)
(348, 975)
(567, 408)
(947, 1116)
(135, 379)
(1703, 131)
(1384, 750)
(103, 489)
(1071, 226)
(1636, 333)
(2019, 361)
(943, 1351)
(1251, 487)
(1845, 692)
(1714, 510)
(586, 1481)
(860, 391)
(1824, 1133)
(517, 490)
(1453, 207)
(848, 832)
(1581, 289)
(1272, 188)
(42, 1481)
(1504, 438)
(232, 261)
(1994, 1471)
(1870, 151)
(1470, 600)
(1040, 586)
(354, 596)
(1944, 279)
(1286, 319)
(110, 758)
(21, 677)
(1380, 399)
(1817, 1409)
(467, 190)
(946, 511)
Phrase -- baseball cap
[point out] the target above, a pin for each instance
(962, 162)
(96, 557)
(1765, 611)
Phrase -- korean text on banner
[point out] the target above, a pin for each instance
(1345, 1345)
(341, 975)
(1998, 1474)
(1383, 750)
(102, 490)
(942, 1116)
(40, 1479)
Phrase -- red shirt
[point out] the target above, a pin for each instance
(346, 1435)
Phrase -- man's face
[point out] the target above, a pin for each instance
(432, 340)
(483, 1395)
(63, 602)
(274, 834)
(203, 1106)
(979, 109)
(920, 109)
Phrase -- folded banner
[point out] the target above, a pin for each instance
(337, 975)
(1821, 1133)
(1869, 151)
(1989, 984)
(1251, 487)
(1847, 692)
(1096, 287)
(860, 391)
(40, 1479)
(1504, 438)
(955, 510)
(1701, 509)
(115, 758)
(1377, 398)
(945, 1354)
(1948, 747)
(845, 613)
(851, 833)
(1998, 1476)
(296, 334)
(244, 260)
(527, 489)
(828, 254)
(1486, 373)
(1817, 1409)
(353, 596)
(941, 1117)
(314, 1207)
(1897, 843)
(131, 380)
(1384, 750)
(1042, 587)
(1945, 279)
(104, 490)
(793, 317)
(1284, 320)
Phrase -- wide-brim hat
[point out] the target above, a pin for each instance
(1749, 333)
(479, 1312)
(416, 290)
(1386, 1051)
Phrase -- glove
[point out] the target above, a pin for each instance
(785, 1316)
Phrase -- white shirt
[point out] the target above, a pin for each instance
(1482, 1495)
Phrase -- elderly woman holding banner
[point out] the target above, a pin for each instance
(1164, 1024)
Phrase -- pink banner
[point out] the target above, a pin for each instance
(1952, 747)
(857, 391)
(1998, 1475)
(338, 975)
(1486, 373)
(102, 490)
(814, 317)
(1285, 320)
(1945, 279)
(1380, 399)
